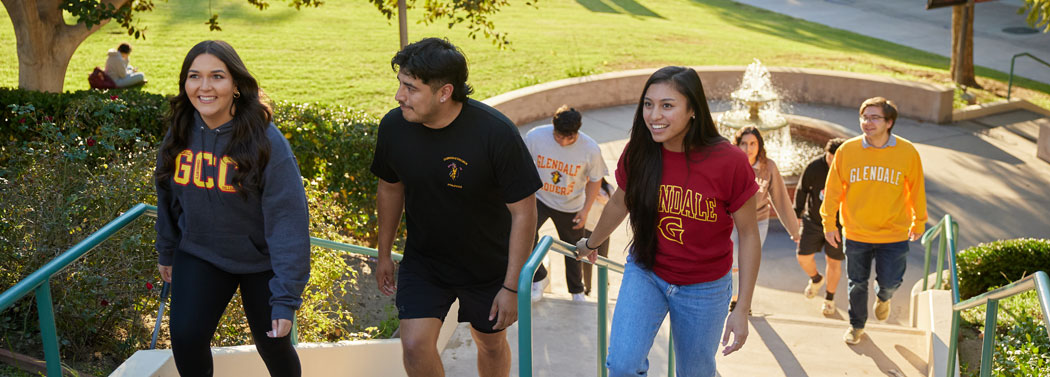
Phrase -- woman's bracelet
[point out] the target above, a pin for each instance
(511, 290)
(588, 245)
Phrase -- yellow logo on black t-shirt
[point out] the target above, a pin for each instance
(455, 169)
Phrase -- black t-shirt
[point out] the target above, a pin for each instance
(809, 194)
(458, 181)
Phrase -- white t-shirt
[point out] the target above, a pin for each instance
(564, 171)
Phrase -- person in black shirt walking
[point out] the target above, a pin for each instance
(463, 177)
(808, 197)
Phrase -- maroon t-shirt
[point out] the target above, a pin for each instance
(695, 211)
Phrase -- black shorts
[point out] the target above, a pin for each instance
(420, 296)
(812, 240)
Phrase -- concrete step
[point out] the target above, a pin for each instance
(564, 344)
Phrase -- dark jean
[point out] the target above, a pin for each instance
(564, 225)
(890, 262)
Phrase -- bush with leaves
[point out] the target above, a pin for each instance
(335, 144)
(73, 162)
(144, 111)
(1021, 338)
(995, 264)
(1022, 350)
(59, 189)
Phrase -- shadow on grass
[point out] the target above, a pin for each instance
(621, 7)
(197, 11)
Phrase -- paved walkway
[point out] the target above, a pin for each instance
(907, 22)
(986, 176)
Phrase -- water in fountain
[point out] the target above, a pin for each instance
(756, 103)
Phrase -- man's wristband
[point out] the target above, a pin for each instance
(511, 290)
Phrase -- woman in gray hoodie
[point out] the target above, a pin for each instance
(231, 212)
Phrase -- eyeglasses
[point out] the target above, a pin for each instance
(872, 118)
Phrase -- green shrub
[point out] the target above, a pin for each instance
(58, 190)
(70, 163)
(335, 145)
(144, 111)
(1022, 350)
(1021, 341)
(995, 264)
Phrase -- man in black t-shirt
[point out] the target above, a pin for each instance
(460, 171)
(809, 195)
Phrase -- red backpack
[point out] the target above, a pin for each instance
(98, 79)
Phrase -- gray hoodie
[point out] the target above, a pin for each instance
(199, 212)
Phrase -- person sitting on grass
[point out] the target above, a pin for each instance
(118, 69)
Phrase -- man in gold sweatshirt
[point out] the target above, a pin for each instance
(876, 184)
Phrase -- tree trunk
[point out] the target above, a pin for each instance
(45, 43)
(962, 56)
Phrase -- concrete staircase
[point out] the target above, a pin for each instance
(564, 344)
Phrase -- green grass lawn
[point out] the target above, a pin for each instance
(340, 53)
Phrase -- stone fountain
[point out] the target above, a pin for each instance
(756, 103)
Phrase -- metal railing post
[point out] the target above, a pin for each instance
(953, 343)
(525, 305)
(48, 333)
(1010, 84)
(295, 331)
(941, 249)
(988, 349)
(926, 267)
(670, 354)
(603, 327)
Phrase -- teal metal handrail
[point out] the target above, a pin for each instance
(947, 248)
(38, 281)
(1010, 86)
(603, 264)
(946, 243)
(1037, 281)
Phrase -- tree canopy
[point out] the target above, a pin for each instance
(1038, 13)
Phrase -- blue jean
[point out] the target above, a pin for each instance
(890, 262)
(698, 313)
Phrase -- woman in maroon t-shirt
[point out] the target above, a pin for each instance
(684, 187)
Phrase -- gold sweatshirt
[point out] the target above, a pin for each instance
(879, 192)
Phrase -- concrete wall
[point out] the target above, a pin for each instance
(925, 102)
(363, 358)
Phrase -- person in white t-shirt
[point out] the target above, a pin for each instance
(571, 167)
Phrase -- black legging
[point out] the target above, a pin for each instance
(563, 224)
(199, 295)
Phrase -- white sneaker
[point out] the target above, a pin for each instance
(812, 288)
(578, 297)
(852, 335)
(537, 291)
(828, 308)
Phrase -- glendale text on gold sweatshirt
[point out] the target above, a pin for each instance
(879, 192)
